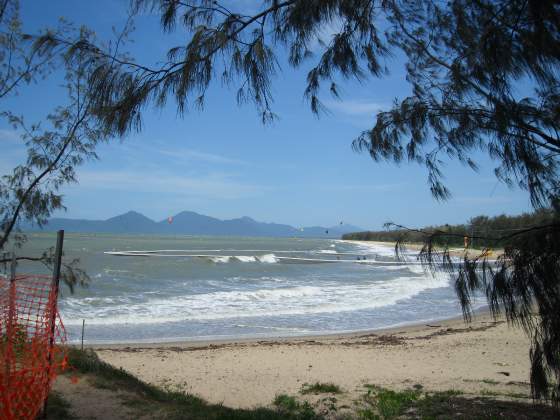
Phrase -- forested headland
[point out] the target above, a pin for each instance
(483, 231)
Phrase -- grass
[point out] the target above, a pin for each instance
(166, 404)
(389, 403)
(377, 403)
(487, 392)
(320, 388)
(445, 405)
(290, 407)
(58, 408)
(490, 382)
(384, 404)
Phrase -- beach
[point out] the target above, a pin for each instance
(408, 346)
(484, 356)
(417, 247)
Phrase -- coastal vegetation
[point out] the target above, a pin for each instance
(320, 388)
(139, 399)
(148, 401)
(480, 231)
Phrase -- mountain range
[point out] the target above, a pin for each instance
(191, 223)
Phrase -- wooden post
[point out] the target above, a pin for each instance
(9, 329)
(83, 327)
(54, 290)
(13, 267)
(55, 284)
(58, 259)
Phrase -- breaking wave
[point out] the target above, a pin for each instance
(283, 301)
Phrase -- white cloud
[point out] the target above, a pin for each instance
(220, 186)
(356, 107)
(163, 150)
(193, 155)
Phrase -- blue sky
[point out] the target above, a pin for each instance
(223, 162)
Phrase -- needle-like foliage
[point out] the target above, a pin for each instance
(64, 140)
(484, 78)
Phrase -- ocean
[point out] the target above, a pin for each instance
(147, 288)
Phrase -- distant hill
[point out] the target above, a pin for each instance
(190, 223)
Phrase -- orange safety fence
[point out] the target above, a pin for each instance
(32, 350)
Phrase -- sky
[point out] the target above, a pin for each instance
(223, 162)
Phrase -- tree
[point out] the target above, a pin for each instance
(56, 147)
(484, 76)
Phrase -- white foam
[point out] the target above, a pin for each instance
(243, 258)
(268, 258)
(219, 260)
(379, 249)
(281, 301)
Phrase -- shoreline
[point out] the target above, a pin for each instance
(414, 246)
(193, 342)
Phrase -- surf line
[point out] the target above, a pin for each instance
(258, 258)
(271, 251)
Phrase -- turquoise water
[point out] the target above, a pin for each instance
(162, 288)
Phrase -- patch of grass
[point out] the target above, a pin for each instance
(320, 388)
(330, 403)
(381, 404)
(58, 408)
(442, 395)
(490, 381)
(368, 414)
(286, 402)
(393, 403)
(159, 403)
(290, 407)
(517, 395)
(386, 403)
(450, 405)
(487, 392)
(103, 383)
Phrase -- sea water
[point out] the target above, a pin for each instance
(147, 288)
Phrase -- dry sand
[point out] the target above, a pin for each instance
(454, 252)
(440, 356)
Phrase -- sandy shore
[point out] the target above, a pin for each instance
(439, 356)
(455, 252)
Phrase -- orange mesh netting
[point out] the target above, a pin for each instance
(31, 346)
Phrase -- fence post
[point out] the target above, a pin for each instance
(55, 284)
(9, 332)
(83, 327)
(54, 290)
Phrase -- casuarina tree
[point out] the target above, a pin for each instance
(484, 77)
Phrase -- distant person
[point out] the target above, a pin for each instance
(466, 239)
